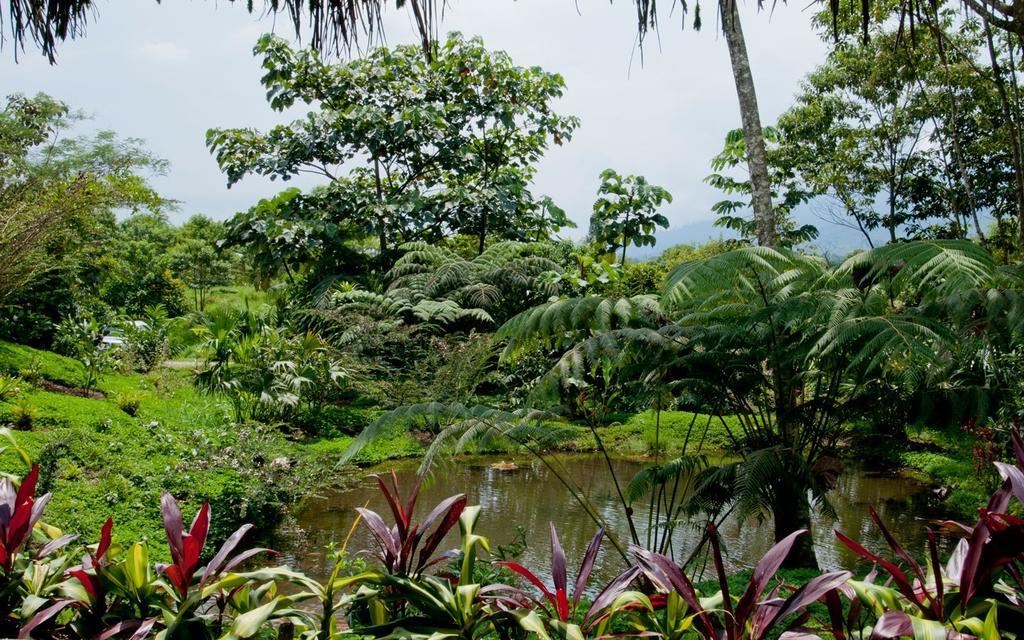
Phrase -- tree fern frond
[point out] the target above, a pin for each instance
(931, 267)
(553, 320)
(650, 477)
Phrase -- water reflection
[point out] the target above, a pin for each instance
(531, 496)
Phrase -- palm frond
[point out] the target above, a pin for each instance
(652, 476)
(330, 25)
(748, 275)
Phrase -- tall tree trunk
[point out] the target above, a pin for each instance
(1012, 128)
(753, 133)
(625, 240)
(792, 512)
(482, 233)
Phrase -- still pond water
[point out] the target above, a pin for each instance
(531, 496)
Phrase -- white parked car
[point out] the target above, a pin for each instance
(114, 336)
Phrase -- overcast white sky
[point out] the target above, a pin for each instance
(166, 73)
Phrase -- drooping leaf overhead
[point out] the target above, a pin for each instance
(328, 25)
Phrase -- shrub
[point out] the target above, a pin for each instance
(10, 387)
(24, 415)
(80, 338)
(129, 402)
(146, 344)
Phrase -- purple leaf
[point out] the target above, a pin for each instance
(452, 508)
(660, 568)
(611, 591)
(558, 575)
(213, 568)
(53, 545)
(807, 594)
(173, 527)
(143, 630)
(835, 613)
(589, 558)
(245, 555)
(764, 571)
(401, 517)
(1015, 476)
(379, 530)
(37, 509)
(7, 498)
(121, 627)
(969, 568)
(42, 617)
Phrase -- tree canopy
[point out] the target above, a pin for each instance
(55, 187)
(410, 149)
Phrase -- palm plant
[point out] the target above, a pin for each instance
(266, 374)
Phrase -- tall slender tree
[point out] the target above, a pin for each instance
(753, 133)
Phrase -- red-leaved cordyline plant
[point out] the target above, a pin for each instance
(558, 604)
(187, 548)
(93, 584)
(401, 548)
(956, 597)
(752, 617)
(19, 513)
(95, 563)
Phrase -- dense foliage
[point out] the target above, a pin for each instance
(116, 591)
(419, 302)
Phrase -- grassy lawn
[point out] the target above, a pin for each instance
(98, 460)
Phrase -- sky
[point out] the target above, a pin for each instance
(167, 72)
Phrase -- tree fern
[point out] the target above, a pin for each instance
(434, 285)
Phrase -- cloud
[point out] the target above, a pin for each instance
(165, 51)
(245, 37)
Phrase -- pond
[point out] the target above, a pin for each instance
(531, 496)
